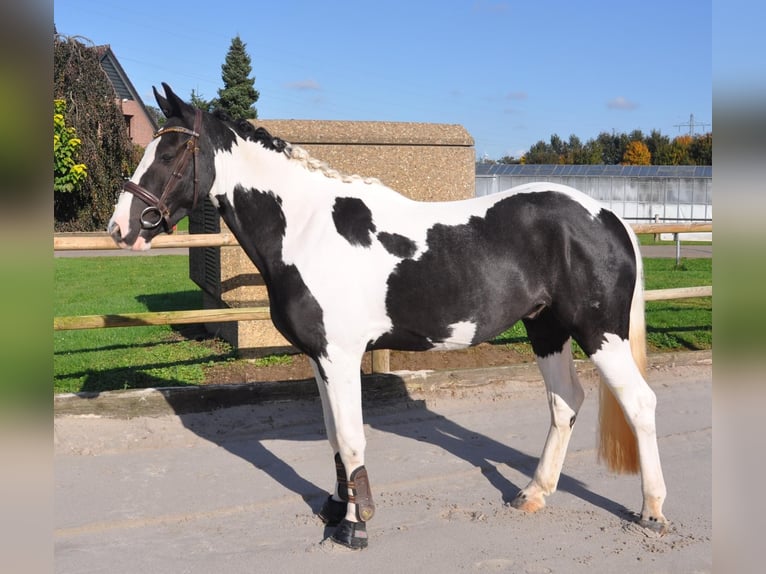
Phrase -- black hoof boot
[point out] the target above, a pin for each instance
(351, 534)
(333, 511)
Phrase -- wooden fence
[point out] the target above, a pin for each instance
(73, 242)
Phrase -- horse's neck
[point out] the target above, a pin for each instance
(267, 199)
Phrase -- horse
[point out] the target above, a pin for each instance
(351, 265)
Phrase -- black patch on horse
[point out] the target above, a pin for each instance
(530, 253)
(397, 245)
(546, 333)
(353, 221)
(295, 311)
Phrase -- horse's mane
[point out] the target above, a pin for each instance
(246, 130)
(302, 155)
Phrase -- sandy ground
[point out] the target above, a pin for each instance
(235, 490)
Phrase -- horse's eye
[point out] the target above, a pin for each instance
(166, 157)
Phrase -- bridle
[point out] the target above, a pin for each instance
(158, 213)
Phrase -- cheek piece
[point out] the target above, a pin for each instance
(157, 213)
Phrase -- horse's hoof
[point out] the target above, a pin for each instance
(333, 511)
(351, 535)
(523, 502)
(654, 525)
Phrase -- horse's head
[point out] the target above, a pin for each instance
(174, 176)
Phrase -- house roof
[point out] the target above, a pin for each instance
(119, 79)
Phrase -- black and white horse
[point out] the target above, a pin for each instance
(351, 265)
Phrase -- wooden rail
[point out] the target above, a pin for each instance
(160, 318)
(96, 242)
(678, 293)
(70, 242)
(702, 227)
(262, 313)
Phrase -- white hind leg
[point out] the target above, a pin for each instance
(620, 373)
(565, 396)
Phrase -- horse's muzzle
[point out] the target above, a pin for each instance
(113, 229)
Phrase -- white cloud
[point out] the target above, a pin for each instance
(621, 103)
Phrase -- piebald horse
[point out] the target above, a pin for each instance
(351, 265)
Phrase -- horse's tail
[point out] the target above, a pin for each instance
(617, 442)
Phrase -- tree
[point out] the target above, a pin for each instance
(238, 96)
(612, 147)
(198, 101)
(157, 115)
(679, 151)
(637, 154)
(701, 149)
(659, 147)
(540, 152)
(592, 153)
(106, 149)
(634, 148)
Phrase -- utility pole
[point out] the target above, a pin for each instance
(691, 125)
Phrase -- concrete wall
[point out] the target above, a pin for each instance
(427, 162)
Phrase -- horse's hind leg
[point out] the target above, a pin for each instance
(565, 396)
(638, 402)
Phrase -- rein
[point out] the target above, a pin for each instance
(158, 213)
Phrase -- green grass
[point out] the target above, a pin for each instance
(682, 323)
(183, 225)
(138, 357)
(648, 239)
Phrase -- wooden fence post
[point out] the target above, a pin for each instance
(381, 361)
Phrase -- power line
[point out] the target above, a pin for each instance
(691, 125)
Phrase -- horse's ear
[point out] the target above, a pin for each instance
(170, 104)
(163, 103)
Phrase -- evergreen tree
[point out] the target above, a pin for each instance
(238, 96)
(198, 101)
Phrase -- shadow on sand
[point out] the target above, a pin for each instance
(382, 395)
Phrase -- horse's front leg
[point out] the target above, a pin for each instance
(350, 505)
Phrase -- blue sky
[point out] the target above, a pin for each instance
(511, 72)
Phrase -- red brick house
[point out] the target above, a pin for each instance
(140, 123)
